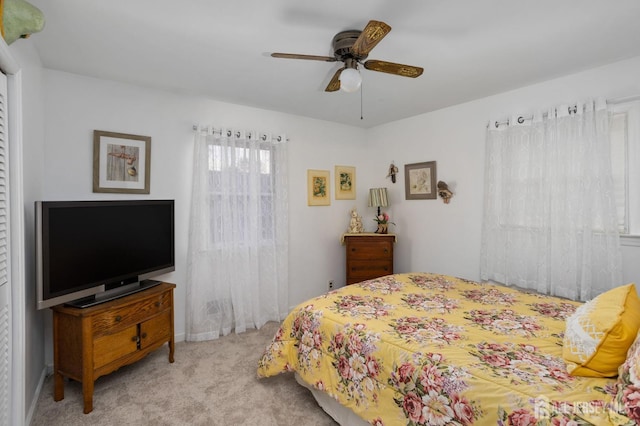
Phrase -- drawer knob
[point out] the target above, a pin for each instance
(118, 318)
(386, 269)
(144, 335)
(134, 338)
(386, 250)
(353, 249)
(157, 304)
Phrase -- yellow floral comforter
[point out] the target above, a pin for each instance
(426, 349)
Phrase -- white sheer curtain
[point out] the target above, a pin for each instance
(550, 221)
(238, 235)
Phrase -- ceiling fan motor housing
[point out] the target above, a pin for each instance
(342, 44)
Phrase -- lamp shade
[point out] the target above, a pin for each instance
(378, 197)
(350, 80)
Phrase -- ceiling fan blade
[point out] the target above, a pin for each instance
(334, 84)
(369, 38)
(392, 68)
(308, 57)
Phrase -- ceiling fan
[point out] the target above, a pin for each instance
(352, 47)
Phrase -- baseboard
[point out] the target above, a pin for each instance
(48, 369)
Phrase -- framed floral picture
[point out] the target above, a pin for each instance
(318, 188)
(121, 162)
(345, 177)
(420, 181)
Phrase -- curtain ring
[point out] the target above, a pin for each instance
(264, 137)
(574, 109)
(520, 120)
(497, 124)
(229, 133)
(238, 134)
(279, 139)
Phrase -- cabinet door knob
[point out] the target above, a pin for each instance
(118, 318)
(144, 335)
(134, 338)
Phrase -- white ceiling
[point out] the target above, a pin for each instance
(220, 48)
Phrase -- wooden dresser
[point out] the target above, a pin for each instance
(94, 341)
(368, 256)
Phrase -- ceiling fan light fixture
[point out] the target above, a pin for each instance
(350, 80)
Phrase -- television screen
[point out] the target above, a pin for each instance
(96, 246)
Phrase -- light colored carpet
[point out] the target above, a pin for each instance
(210, 383)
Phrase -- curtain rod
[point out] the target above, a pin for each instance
(572, 109)
(521, 119)
(238, 133)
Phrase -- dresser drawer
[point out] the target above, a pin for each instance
(378, 248)
(130, 314)
(361, 270)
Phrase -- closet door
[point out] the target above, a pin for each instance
(5, 294)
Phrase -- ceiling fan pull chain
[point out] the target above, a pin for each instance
(361, 90)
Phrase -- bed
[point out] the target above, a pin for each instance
(428, 349)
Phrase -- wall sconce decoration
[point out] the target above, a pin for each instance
(393, 171)
(444, 192)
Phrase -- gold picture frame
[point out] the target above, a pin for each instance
(318, 188)
(420, 181)
(121, 162)
(345, 177)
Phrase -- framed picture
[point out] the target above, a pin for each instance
(420, 181)
(318, 188)
(345, 177)
(121, 162)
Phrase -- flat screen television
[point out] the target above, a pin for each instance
(88, 252)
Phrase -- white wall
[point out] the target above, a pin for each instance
(75, 106)
(445, 238)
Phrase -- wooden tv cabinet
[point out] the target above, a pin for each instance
(95, 341)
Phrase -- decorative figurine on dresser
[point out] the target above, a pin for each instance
(355, 223)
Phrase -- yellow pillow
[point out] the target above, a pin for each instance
(600, 332)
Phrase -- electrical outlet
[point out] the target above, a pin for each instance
(330, 284)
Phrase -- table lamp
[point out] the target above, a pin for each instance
(378, 198)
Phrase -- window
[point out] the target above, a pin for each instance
(253, 169)
(625, 161)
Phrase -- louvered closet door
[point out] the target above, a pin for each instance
(5, 294)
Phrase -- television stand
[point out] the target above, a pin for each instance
(95, 341)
